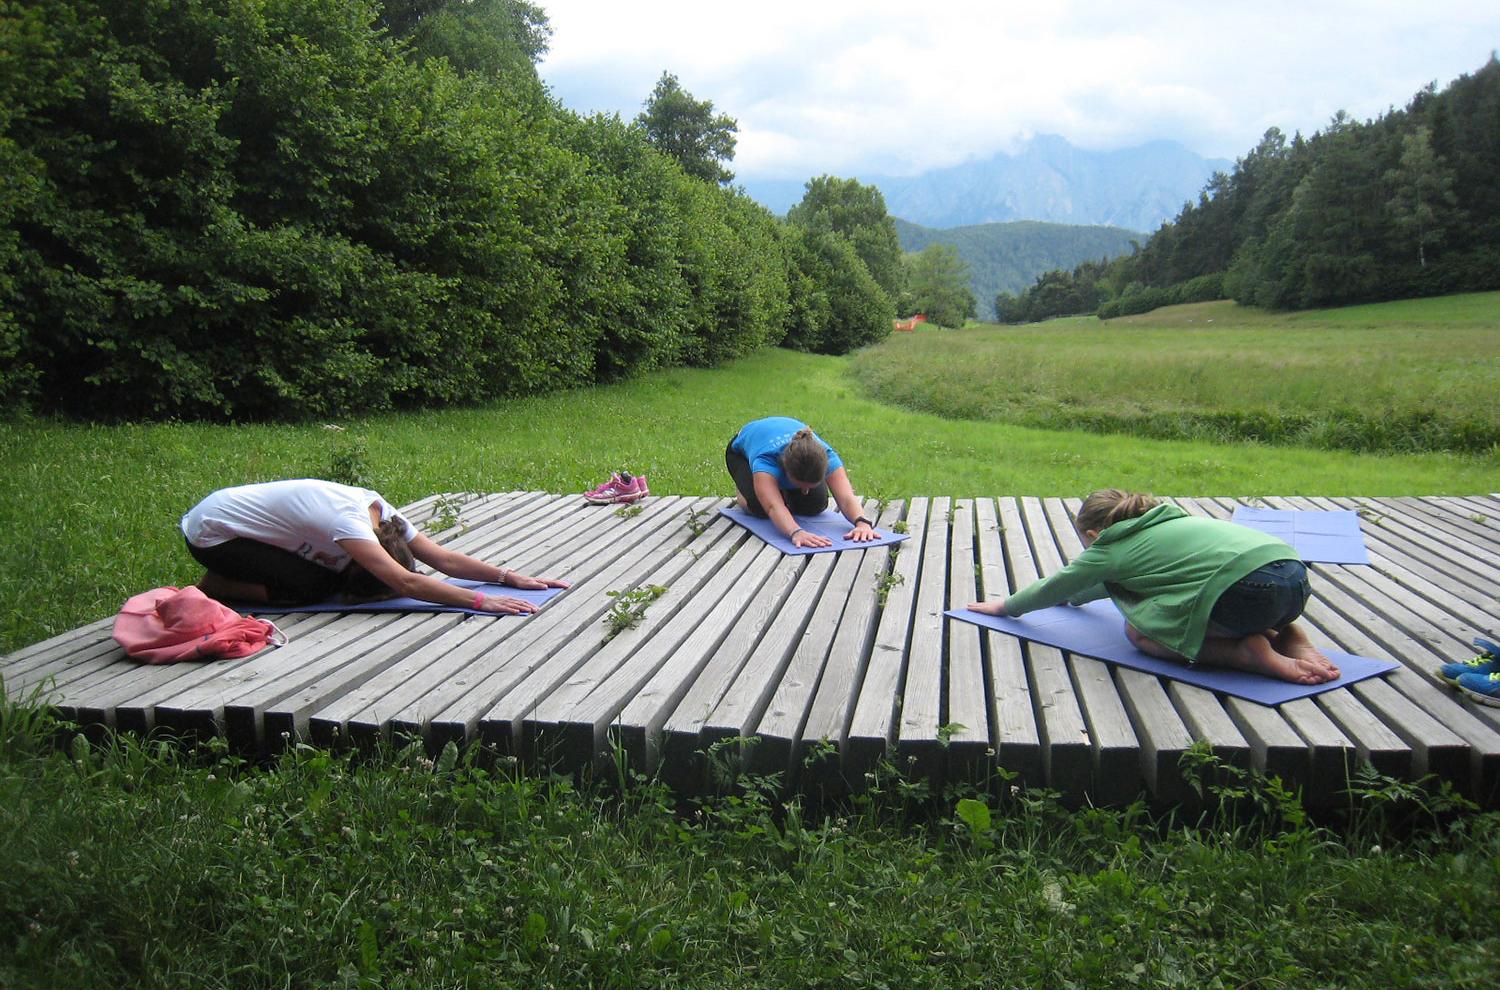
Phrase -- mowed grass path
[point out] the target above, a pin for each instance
(90, 512)
(1407, 376)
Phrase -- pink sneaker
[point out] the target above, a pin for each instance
(621, 488)
(598, 490)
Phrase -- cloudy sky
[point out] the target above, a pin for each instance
(900, 86)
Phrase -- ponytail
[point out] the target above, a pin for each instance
(1108, 506)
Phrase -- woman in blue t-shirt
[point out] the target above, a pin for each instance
(782, 469)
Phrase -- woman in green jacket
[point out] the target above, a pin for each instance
(1190, 588)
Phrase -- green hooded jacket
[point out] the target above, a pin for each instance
(1165, 571)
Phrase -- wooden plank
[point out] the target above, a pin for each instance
(638, 727)
(680, 757)
(871, 731)
(832, 710)
(739, 710)
(544, 708)
(550, 631)
(448, 667)
(363, 706)
(970, 746)
(1411, 700)
(1018, 750)
(549, 665)
(62, 645)
(1067, 751)
(920, 729)
(294, 667)
(819, 687)
(594, 556)
(287, 718)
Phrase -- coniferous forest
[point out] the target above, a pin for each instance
(1404, 205)
(282, 209)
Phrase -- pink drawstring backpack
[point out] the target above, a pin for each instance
(165, 625)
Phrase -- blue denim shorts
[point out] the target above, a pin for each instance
(1270, 597)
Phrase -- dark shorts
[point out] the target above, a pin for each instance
(1270, 597)
(811, 504)
(289, 579)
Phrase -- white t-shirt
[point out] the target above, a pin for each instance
(305, 516)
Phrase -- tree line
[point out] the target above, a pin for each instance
(253, 209)
(1400, 206)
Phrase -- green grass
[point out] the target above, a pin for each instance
(145, 866)
(1418, 375)
(151, 865)
(90, 512)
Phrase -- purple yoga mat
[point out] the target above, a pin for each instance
(1098, 630)
(1319, 537)
(537, 597)
(830, 524)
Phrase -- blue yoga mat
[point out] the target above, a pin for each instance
(538, 597)
(1098, 630)
(1323, 537)
(830, 524)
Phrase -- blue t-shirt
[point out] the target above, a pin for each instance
(763, 440)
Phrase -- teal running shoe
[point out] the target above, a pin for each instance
(1487, 662)
(1483, 688)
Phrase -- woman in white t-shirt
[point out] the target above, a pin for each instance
(305, 541)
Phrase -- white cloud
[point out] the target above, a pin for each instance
(887, 87)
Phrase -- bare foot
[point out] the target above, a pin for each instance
(1293, 642)
(739, 500)
(1256, 655)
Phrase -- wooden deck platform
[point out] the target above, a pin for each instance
(831, 661)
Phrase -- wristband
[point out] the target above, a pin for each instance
(793, 533)
(479, 601)
(861, 519)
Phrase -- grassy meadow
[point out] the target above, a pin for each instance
(90, 511)
(1399, 377)
(145, 864)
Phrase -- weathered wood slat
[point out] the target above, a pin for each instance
(637, 726)
(454, 665)
(970, 744)
(849, 648)
(555, 707)
(1067, 753)
(1018, 748)
(648, 539)
(678, 753)
(827, 719)
(920, 729)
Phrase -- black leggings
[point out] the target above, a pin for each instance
(811, 504)
(289, 579)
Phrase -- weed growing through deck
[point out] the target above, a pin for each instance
(887, 581)
(447, 512)
(697, 522)
(629, 608)
(629, 511)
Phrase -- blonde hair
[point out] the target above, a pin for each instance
(805, 458)
(362, 586)
(1104, 508)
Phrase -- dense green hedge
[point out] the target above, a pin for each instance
(276, 209)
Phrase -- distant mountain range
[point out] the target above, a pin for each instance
(1007, 257)
(1048, 179)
